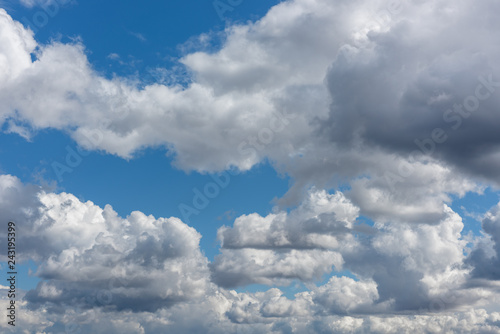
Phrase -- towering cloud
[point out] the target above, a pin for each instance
(90, 257)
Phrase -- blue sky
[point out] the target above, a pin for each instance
(145, 34)
(259, 159)
(103, 179)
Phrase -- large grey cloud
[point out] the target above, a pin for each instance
(274, 101)
(485, 257)
(432, 67)
(402, 267)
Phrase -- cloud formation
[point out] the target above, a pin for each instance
(359, 80)
(147, 274)
(89, 256)
(485, 257)
(301, 245)
(400, 109)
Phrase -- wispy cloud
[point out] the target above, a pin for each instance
(137, 35)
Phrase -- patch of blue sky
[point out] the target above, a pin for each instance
(26, 279)
(133, 38)
(473, 206)
(296, 286)
(147, 183)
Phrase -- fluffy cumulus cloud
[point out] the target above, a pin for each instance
(90, 256)
(119, 118)
(399, 266)
(303, 245)
(485, 257)
(396, 101)
(415, 197)
(322, 88)
(101, 273)
(331, 86)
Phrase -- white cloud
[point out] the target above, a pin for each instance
(84, 251)
(343, 295)
(344, 117)
(156, 115)
(102, 273)
(416, 198)
(33, 3)
(401, 266)
(374, 104)
(303, 244)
